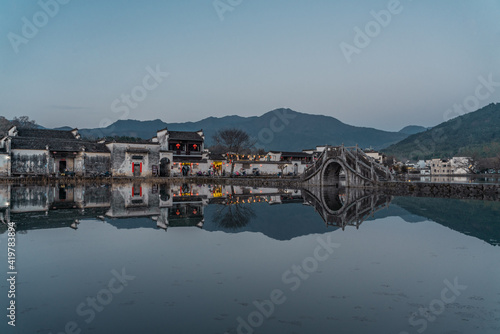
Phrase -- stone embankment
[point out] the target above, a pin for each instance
(393, 188)
(479, 191)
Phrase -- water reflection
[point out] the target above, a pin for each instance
(175, 205)
(232, 208)
(215, 251)
(233, 216)
(343, 207)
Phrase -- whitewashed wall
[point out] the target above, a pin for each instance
(121, 160)
(4, 164)
(31, 162)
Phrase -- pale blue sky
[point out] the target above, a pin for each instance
(265, 54)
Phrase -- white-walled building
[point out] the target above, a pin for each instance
(54, 152)
(454, 166)
(377, 156)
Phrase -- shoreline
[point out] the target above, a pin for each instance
(479, 191)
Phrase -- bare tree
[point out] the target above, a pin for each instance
(233, 216)
(496, 162)
(281, 168)
(5, 124)
(24, 122)
(233, 142)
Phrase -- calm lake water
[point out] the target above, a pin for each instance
(142, 258)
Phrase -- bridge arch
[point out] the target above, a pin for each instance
(333, 199)
(330, 175)
(356, 205)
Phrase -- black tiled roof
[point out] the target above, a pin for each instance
(184, 135)
(137, 150)
(216, 156)
(189, 158)
(293, 154)
(131, 141)
(44, 133)
(56, 144)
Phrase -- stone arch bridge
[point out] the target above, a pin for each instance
(359, 169)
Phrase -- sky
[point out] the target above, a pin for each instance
(381, 64)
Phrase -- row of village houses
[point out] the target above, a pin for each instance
(453, 166)
(170, 153)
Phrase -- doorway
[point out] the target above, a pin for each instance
(62, 166)
(137, 169)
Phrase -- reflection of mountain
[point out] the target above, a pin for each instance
(395, 211)
(480, 219)
(279, 222)
(52, 218)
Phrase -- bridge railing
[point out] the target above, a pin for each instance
(381, 170)
(316, 166)
(354, 157)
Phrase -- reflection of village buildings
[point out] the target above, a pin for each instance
(164, 206)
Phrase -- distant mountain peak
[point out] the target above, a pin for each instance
(296, 132)
(412, 129)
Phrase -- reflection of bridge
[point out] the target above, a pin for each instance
(344, 206)
(360, 170)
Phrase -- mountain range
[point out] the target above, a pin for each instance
(475, 134)
(279, 129)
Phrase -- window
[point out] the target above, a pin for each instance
(176, 147)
